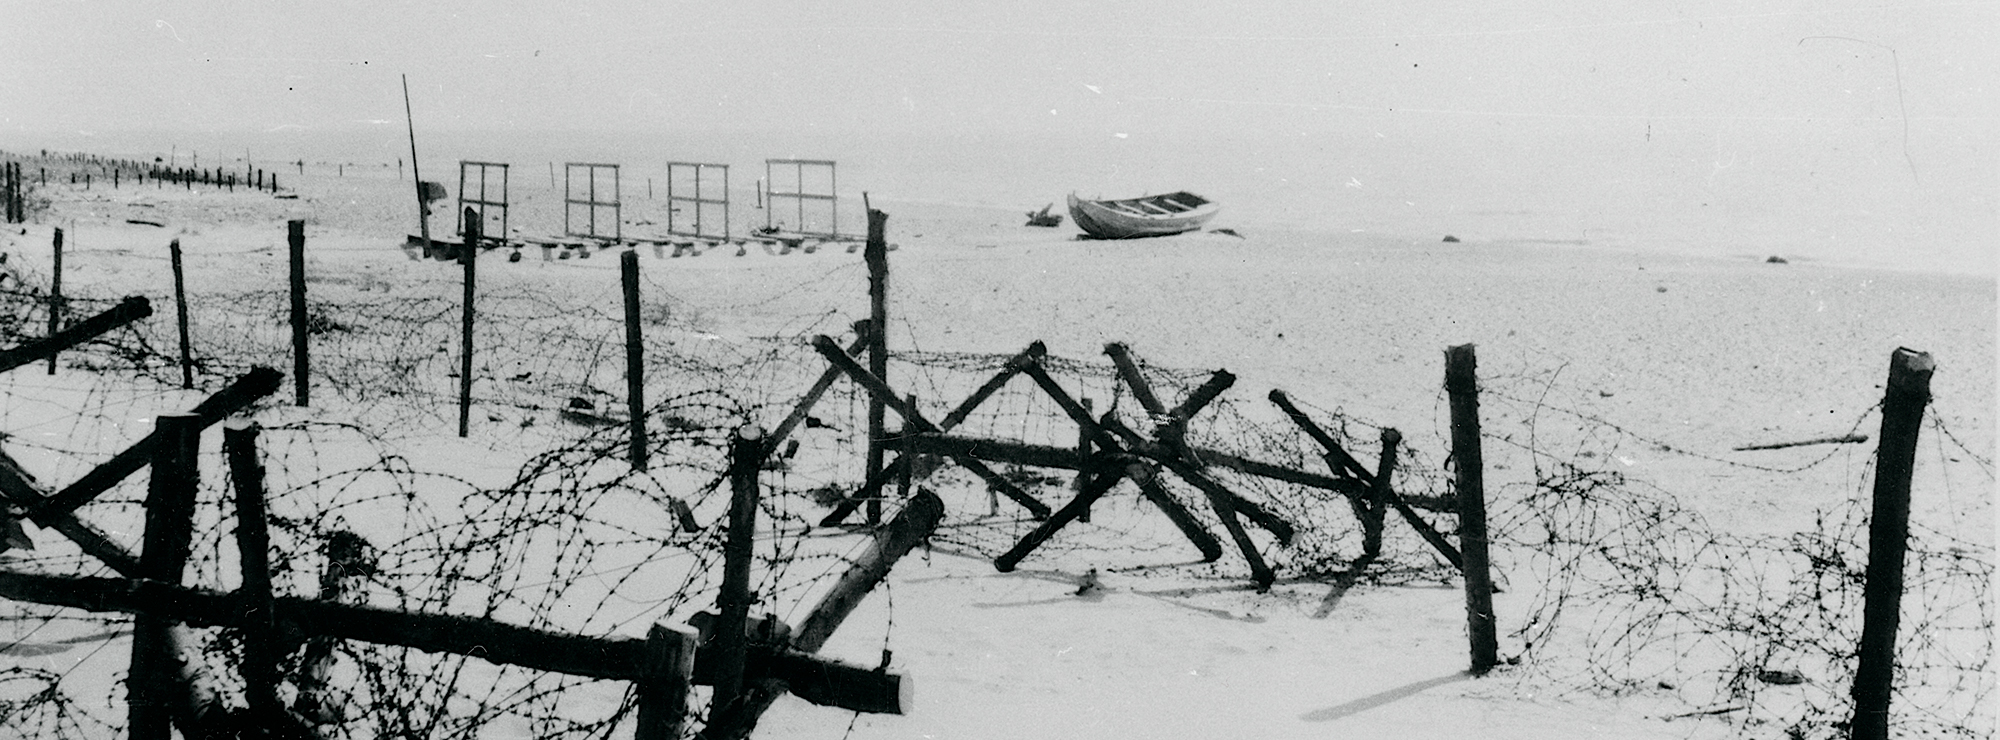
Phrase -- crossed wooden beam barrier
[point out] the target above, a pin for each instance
(31, 500)
(1378, 490)
(133, 308)
(914, 421)
(1118, 453)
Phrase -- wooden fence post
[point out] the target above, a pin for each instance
(1909, 390)
(55, 294)
(876, 254)
(153, 686)
(253, 545)
(301, 359)
(1083, 448)
(468, 256)
(1462, 385)
(663, 693)
(635, 358)
(746, 455)
(181, 314)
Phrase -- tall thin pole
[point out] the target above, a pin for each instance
(1462, 385)
(181, 314)
(635, 354)
(55, 296)
(468, 256)
(1888, 537)
(423, 207)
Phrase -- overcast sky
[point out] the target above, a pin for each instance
(914, 65)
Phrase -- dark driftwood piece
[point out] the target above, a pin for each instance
(131, 309)
(1909, 390)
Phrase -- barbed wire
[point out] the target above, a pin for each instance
(1625, 588)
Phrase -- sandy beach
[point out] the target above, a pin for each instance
(1653, 366)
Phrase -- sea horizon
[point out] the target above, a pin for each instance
(1845, 193)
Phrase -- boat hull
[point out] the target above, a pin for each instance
(1133, 218)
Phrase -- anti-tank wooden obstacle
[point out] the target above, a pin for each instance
(1117, 453)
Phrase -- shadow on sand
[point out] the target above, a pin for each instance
(1363, 704)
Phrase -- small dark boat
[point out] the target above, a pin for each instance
(1152, 215)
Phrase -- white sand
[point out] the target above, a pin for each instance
(1691, 356)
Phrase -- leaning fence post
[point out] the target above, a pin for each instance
(746, 455)
(635, 356)
(153, 685)
(468, 256)
(669, 674)
(55, 295)
(876, 254)
(1909, 390)
(301, 360)
(1462, 385)
(181, 314)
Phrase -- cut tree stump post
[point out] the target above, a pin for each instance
(876, 254)
(635, 358)
(155, 689)
(1909, 391)
(295, 235)
(55, 294)
(669, 677)
(1462, 385)
(468, 256)
(181, 314)
(746, 456)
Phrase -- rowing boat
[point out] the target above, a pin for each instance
(1152, 215)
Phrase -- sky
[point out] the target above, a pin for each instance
(1029, 67)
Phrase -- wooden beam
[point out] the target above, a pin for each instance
(1147, 478)
(1033, 353)
(819, 388)
(613, 658)
(1100, 483)
(915, 418)
(23, 490)
(910, 527)
(131, 309)
(1343, 463)
(1128, 370)
(238, 395)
